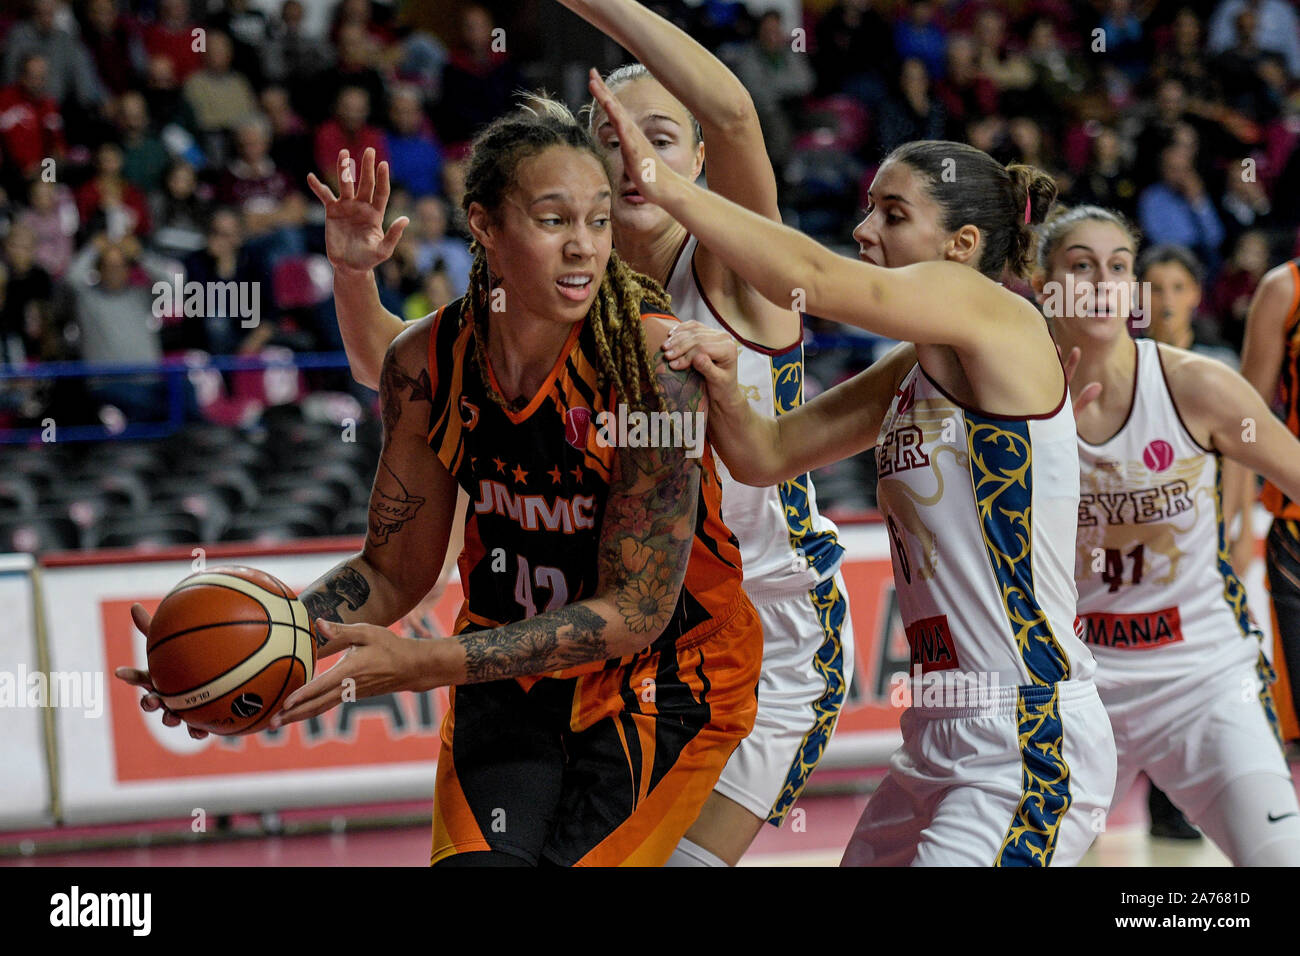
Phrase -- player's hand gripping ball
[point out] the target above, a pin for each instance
(227, 646)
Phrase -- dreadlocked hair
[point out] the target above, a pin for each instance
(615, 313)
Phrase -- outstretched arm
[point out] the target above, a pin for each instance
(645, 544)
(1239, 425)
(913, 303)
(762, 451)
(738, 165)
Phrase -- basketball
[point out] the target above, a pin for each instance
(227, 646)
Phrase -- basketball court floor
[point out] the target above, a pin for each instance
(398, 835)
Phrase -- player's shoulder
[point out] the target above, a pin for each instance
(411, 349)
(1282, 277)
(657, 322)
(1278, 294)
(1197, 383)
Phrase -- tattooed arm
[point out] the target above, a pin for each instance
(411, 504)
(645, 543)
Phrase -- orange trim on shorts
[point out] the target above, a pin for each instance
(454, 828)
(663, 815)
(1283, 700)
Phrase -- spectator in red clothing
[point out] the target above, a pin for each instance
(71, 78)
(348, 130)
(114, 44)
(31, 127)
(108, 203)
(251, 183)
(478, 82)
(1232, 291)
(358, 54)
(174, 38)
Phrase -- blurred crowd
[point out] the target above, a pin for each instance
(146, 141)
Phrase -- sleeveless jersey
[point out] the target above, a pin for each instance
(1289, 384)
(787, 546)
(980, 510)
(1157, 593)
(537, 481)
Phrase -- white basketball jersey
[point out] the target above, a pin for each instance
(981, 516)
(1157, 594)
(786, 546)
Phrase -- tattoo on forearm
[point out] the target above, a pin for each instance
(649, 520)
(561, 638)
(342, 586)
(391, 506)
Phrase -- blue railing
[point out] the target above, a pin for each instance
(172, 371)
(175, 370)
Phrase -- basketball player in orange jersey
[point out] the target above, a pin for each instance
(606, 657)
(966, 442)
(791, 552)
(1179, 664)
(1270, 361)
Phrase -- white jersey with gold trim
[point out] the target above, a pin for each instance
(981, 510)
(787, 547)
(1157, 594)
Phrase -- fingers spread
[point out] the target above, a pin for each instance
(347, 176)
(382, 187)
(323, 192)
(394, 235)
(140, 617)
(366, 180)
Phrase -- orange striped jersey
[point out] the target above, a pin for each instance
(1289, 386)
(537, 481)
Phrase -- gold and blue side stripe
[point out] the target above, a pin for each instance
(1045, 784)
(1001, 467)
(821, 549)
(1234, 592)
(831, 608)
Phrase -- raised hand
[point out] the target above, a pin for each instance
(355, 239)
(640, 159)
